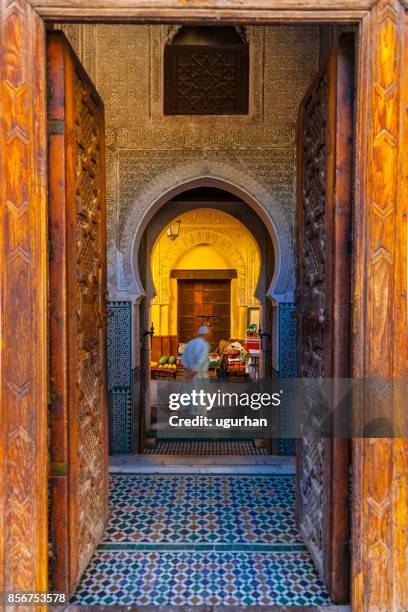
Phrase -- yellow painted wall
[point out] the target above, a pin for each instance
(203, 257)
(208, 240)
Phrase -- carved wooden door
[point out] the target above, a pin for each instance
(204, 301)
(77, 314)
(325, 156)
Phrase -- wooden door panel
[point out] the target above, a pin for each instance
(323, 290)
(216, 308)
(78, 411)
(206, 297)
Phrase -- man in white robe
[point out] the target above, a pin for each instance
(195, 355)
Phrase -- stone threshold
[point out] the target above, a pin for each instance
(216, 464)
(202, 547)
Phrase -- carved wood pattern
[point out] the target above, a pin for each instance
(314, 233)
(324, 287)
(77, 312)
(380, 465)
(206, 81)
(23, 386)
(312, 305)
(90, 309)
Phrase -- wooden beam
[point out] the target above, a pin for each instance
(23, 304)
(380, 348)
(182, 5)
(203, 274)
(249, 11)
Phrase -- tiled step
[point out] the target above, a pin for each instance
(172, 464)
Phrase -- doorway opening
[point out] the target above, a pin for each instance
(216, 273)
(249, 190)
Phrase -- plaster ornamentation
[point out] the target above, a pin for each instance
(158, 40)
(276, 206)
(270, 171)
(172, 30)
(217, 229)
(74, 34)
(150, 154)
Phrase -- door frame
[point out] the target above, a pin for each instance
(380, 490)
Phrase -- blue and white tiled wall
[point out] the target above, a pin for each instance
(287, 369)
(287, 341)
(120, 376)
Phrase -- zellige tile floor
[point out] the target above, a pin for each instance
(201, 540)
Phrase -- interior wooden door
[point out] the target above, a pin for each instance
(324, 217)
(77, 315)
(204, 301)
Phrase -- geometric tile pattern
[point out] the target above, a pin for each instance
(119, 339)
(119, 357)
(287, 369)
(197, 578)
(201, 508)
(287, 341)
(202, 447)
(188, 540)
(120, 401)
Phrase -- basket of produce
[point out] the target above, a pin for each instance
(232, 353)
(164, 368)
(236, 369)
(214, 360)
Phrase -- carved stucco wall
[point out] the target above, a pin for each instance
(149, 153)
(215, 228)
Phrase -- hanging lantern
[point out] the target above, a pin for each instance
(173, 230)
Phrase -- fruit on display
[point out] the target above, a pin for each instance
(163, 359)
(232, 353)
(163, 366)
(172, 360)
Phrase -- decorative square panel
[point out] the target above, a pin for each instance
(206, 80)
